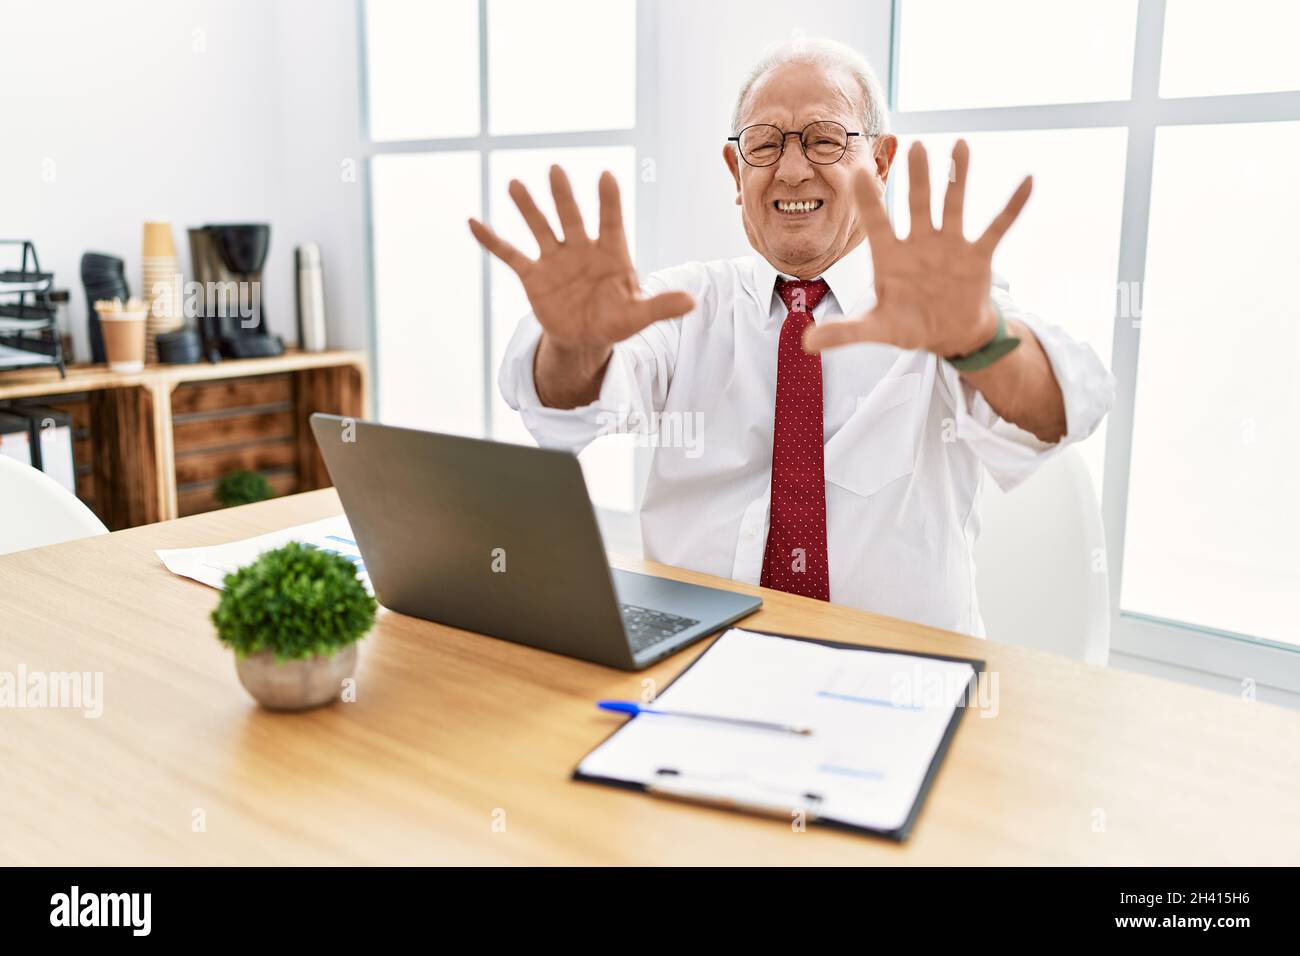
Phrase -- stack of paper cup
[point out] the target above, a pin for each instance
(163, 289)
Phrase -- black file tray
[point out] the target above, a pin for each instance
(28, 319)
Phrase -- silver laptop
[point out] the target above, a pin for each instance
(502, 539)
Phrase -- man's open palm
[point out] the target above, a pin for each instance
(932, 288)
(584, 291)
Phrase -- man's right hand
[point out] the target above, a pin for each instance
(584, 292)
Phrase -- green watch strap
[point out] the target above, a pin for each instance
(996, 348)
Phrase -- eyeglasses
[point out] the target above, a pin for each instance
(823, 142)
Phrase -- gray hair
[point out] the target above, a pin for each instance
(825, 53)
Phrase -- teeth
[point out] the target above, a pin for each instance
(808, 206)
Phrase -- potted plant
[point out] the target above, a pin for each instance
(243, 488)
(293, 618)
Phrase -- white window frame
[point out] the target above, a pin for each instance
(620, 527)
(1214, 651)
(1187, 645)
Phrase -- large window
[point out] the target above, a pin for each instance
(1162, 138)
(461, 97)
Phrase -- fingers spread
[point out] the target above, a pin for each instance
(829, 335)
(494, 244)
(566, 206)
(537, 224)
(918, 190)
(611, 213)
(871, 207)
(1002, 222)
(955, 197)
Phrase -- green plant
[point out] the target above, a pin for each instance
(296, 601)
(243, 488)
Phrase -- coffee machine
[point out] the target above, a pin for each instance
(227, 262)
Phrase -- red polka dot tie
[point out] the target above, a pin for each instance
(795, 559)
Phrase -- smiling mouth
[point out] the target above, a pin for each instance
(802, 207)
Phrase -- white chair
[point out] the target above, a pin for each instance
(36, 510)
(1040, 568)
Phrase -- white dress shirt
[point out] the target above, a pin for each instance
(907, 442)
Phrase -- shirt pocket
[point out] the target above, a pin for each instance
(877, 444)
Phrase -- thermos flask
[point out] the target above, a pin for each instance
(311, 298)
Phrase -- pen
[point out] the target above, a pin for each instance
(633, 708)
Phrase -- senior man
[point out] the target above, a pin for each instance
(852, 386)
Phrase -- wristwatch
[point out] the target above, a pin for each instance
(994, 349)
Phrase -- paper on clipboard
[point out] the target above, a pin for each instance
(878, 719)
(210, 565)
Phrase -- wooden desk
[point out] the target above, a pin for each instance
(453, 732)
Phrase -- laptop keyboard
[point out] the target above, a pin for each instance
(645, 626)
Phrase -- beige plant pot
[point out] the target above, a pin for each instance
(295, 685)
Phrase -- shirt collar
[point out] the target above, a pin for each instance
(850, 278)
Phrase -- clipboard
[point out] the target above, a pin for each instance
(897, 834)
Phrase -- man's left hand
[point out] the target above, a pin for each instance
(932, 288)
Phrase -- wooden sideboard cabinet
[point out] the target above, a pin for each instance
(152, 445)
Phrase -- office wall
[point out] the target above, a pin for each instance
(199, 111)
(318, 122)
(192, 112)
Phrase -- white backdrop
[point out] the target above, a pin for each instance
(192, 112)
(705, 51)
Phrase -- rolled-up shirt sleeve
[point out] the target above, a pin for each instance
(634, 388)
(1008, 452)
